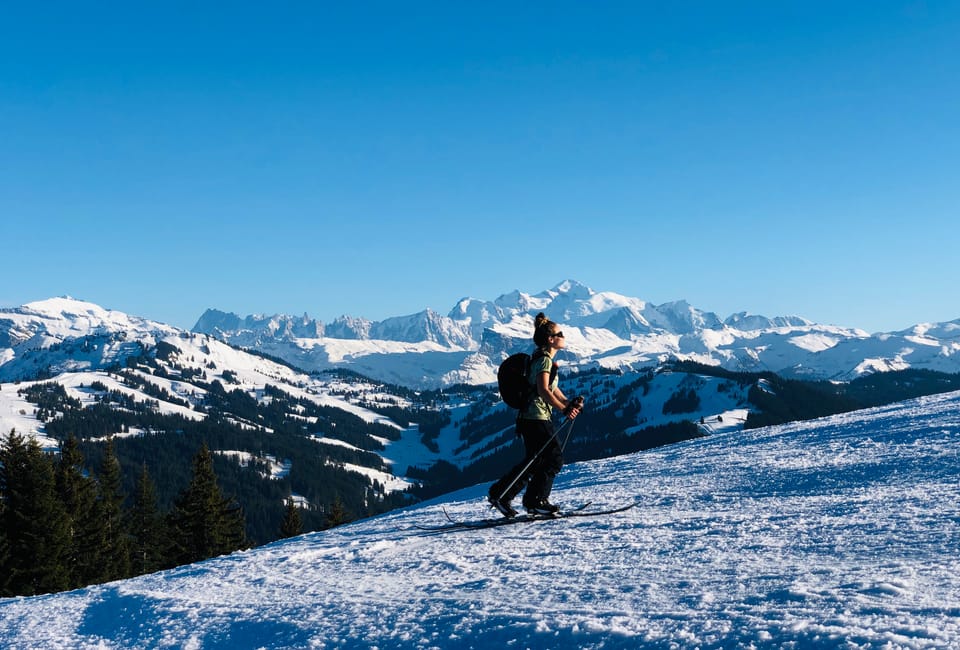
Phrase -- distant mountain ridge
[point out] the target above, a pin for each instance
(429, 350)
(604, 329)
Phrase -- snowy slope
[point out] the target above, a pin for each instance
(833, 533)
(17, 413)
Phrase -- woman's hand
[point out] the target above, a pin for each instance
(573, 407)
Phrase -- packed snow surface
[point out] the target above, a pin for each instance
(836, 533)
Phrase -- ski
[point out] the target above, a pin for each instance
(579, 511)
(486, 523)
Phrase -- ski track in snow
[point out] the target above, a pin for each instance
(836, 533)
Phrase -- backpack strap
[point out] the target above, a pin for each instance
(553, 369)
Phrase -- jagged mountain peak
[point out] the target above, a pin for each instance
(427, 325)
(574, 290)
(684, 318)
(746, 321)
(214, 319)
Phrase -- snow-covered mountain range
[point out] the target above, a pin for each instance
(83, 348)
(75, 344)
(428, 350)
(832, 533)
(79, 345)
(603, 329)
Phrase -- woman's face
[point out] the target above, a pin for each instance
(557, 340)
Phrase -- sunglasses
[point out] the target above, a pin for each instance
(557, 334)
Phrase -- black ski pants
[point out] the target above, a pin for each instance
(538, 478)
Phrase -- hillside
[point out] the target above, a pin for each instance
(275, 431)
(334, 436)
(838, 532)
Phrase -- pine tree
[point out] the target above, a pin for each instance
(116, 544)
(292, 522)
(203, 522)
(146, 527)
(338, 513)
(234, 527)
(4, 547)
(34, 522)
(78, 494)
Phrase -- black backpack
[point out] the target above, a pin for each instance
(513, 379)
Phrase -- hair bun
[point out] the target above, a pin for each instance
(541, 329)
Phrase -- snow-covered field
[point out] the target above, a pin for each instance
(836, 533)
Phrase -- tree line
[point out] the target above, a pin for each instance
(167, 442)
(62, 527)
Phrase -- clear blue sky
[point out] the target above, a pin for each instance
(377, 159)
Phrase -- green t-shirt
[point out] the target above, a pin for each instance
(538, 409)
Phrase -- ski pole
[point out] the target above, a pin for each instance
(535, 457)
(567, 439)
(578, 401)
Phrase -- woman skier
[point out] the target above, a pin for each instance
(544, 456)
